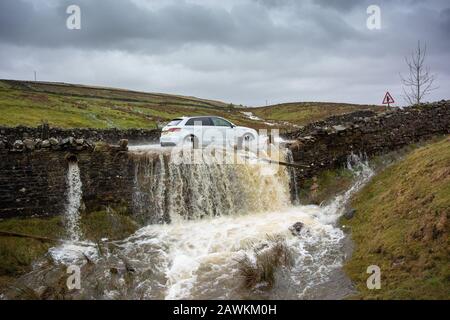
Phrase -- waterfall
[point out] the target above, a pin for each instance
(243, 209)
(362, 172)
(169, 188)
(73, 202)
(293, 176)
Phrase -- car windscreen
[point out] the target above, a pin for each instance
(174, 122)
(196, 121)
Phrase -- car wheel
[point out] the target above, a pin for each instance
(191, 141)
(245, 141)
(248, 137)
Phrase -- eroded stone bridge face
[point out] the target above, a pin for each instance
(152, 183)
(33, 179)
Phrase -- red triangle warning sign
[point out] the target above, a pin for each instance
(388, 99)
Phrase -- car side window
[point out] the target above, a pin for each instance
(218, 122)
(204, 121)
(207, 122)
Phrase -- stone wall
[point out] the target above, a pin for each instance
(43, 132)
(34, 183)
(327, 144)
(107, 178)
(34, 164)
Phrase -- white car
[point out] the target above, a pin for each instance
(204, 131)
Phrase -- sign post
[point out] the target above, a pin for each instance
(388, 99)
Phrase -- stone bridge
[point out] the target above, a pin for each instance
(33, 170)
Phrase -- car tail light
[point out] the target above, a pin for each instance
(173, 130)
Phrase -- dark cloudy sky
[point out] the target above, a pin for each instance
(240, 51)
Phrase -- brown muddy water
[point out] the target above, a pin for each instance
(202, 222)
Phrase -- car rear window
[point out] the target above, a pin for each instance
(203, 121)
(174, 122)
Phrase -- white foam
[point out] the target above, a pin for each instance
(74, 195)
(205, 249)
(74, 253)
(146, 147)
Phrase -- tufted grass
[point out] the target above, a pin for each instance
(261, 271)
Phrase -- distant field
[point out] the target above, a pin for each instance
(69, 106)
(303, 113)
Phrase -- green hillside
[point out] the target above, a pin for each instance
(68, 106)
(302, 113)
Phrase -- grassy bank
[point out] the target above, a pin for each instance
(401, 225)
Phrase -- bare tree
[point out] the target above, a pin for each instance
(419, 81)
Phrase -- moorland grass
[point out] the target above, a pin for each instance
(401, 225)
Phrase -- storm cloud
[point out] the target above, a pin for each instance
(245, 52)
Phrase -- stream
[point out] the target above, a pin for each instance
(211, 231)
